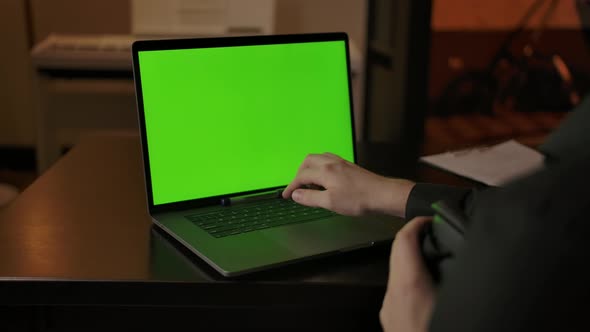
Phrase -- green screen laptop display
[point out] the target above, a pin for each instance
(228, 120)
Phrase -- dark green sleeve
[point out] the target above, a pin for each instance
(524, 264)
(571, 139)
(424, 194)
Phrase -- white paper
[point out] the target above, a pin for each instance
(494, 166)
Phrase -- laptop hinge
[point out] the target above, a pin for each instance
(228, 201)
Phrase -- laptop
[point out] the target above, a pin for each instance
(225, 124)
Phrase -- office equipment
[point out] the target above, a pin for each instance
(202, 17)
(221, 118)
(84, 52)
(79, 66)
(494, 165)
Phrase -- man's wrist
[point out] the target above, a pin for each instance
(392, 197)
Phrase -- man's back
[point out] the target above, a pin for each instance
(524, 262)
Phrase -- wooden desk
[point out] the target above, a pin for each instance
(79, 253)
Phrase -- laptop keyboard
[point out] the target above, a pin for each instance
(268, 214)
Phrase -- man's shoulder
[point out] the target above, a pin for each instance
(551, 197)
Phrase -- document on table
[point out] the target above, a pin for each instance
(494, 165)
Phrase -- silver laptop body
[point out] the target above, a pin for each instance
(249, 249)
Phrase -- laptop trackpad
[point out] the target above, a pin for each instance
(334, 234)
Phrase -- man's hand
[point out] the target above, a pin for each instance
(349, 189)
(409, 299)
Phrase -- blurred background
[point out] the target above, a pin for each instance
(428, 76)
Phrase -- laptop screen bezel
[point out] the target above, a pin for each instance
(195, 43)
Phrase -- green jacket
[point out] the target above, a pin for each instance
(524, 262)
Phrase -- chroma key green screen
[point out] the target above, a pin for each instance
(234, 119)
